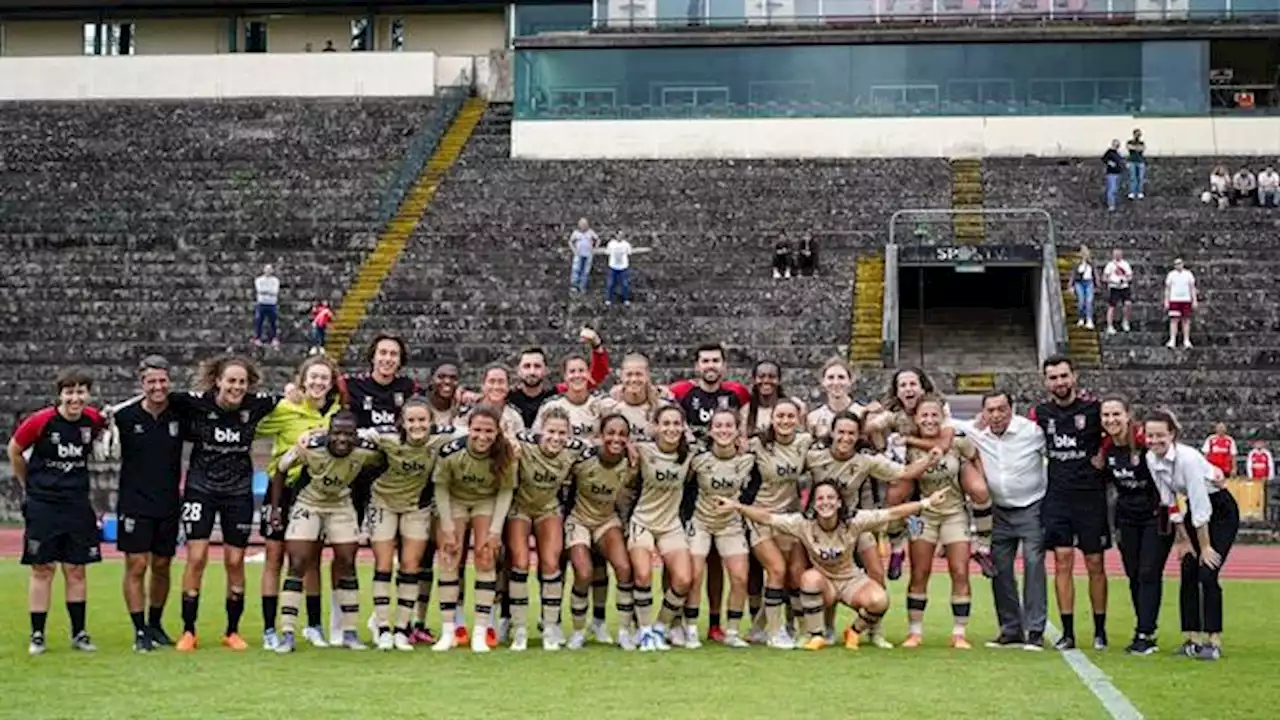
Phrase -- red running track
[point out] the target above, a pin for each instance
(1246, 562)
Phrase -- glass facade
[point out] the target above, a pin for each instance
(651, 13)
(1104, 78)
(555, 17)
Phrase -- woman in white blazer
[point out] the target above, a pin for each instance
(1205, 532)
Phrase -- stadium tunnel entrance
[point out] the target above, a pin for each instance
(968, 318)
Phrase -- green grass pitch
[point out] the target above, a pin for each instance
(605, 683)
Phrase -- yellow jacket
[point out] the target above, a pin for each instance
(290, 421)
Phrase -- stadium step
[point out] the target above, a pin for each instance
(1082, 343)
(395, 236)
(974, 383)
(967, 194)
(865, 335)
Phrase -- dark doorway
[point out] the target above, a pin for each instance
(967, 321)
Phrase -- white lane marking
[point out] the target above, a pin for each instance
(1113, 701)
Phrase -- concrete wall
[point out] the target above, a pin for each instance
(180, 36)
(219, 76)
(456, 33)
(43, 39)
(292, 34)
(888, 137)
(463, 33)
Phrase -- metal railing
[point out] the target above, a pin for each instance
(1053, 318)
(419, 151)
(923, 249)
(889, 323)
(645, 15)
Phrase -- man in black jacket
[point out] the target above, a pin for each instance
(1114, 163)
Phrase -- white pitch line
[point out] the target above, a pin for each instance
(1113, 701)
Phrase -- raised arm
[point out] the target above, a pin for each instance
(890, 472)
(750, 512)
(275, 491)
(26, 435)
(500, 508)
(943, 442)
(18, 463)
(876, 519)
(444, 505)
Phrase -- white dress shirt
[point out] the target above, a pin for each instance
(619, 252)
(267, 288)
(1013, 462)
(1183, 471)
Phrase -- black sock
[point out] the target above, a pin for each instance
(315, 616)
(155, 615)
(235, 608)
(1100, 625)
(38, 620)
(139, 622)
(190, 611)
(75, 610)
(1068, 625)
(598, 612)
(504, 607)
(714, 618)
(419, 625)
(270, 603)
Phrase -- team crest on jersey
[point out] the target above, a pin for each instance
(244, 417)
(368, 403)
(1080, 422)
(723, 402)
(453, 446)
(399, 399)
(1052, 426)
(86, 435)
(55, 438)
(137, 429)
(173, 429)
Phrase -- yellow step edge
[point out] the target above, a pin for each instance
(393, 240)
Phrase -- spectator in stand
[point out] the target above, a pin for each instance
(321, 316)
(807, 257)
(1137, 165)
(1118, 276)
(583, 242)
(1180, 300)
(782, 260)
(1244, 186)
(619, 252)
(1260, 464)
(1082, 283)
(1220, 450)
(328, 46)
(1269, 187)
(1113, 161)
(266, 313)
(1219, 192)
